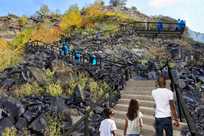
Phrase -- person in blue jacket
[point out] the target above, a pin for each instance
(159, 26)
(182, 25)
(178, 25)
(65, 48)
(77, 57)
(93, 59)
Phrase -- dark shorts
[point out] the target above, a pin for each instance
(133, 134)
(163, 124)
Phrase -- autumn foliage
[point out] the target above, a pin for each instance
(45, 34)
(71, 19)
(3, 44)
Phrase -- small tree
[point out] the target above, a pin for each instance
(23, 21)
(134, 8)
(100, 2)
(118, 3)
(43, 11)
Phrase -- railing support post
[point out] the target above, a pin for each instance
(86, 124)
(127, 74)
(179, 106)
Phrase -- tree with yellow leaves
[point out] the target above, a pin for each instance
(45, 34)
(94, 10)
(71, 19)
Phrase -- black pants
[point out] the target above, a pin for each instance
(162, 124)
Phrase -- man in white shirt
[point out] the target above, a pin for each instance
(165, 107)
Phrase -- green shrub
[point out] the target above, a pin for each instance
(22, 38)
(8, 58)
(53, 128)
(29, 89)
(26, 132)
(9, 132)
(98, 89)
(93, 86)
(50, 75)
(54, 89)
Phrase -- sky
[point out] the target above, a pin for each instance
(190, 10)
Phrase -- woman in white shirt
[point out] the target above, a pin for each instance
(133, 120)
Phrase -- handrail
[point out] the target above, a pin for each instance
(181, 103)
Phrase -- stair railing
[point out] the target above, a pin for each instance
(183, 110)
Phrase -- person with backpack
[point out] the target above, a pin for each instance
(108, 126)
(160, 26)
(182, 25)
(93, 59)
(77, 57)
(133, 120)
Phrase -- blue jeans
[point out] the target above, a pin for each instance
(133, 134)
(163, 124)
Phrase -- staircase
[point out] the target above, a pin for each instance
(140, 90)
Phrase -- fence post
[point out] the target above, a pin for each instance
(100, 59)
(126, 74)
(148, 26)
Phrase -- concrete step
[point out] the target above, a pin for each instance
(141, 102)
(144, 110)
(135, 96)
(134, 87)
(137, 92)
(148, 130)
(132, 81)
(120, 132)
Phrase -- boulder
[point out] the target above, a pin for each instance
(39, 124)
(39, 75)
(6, 123)
(21, 123)
(28, 116)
